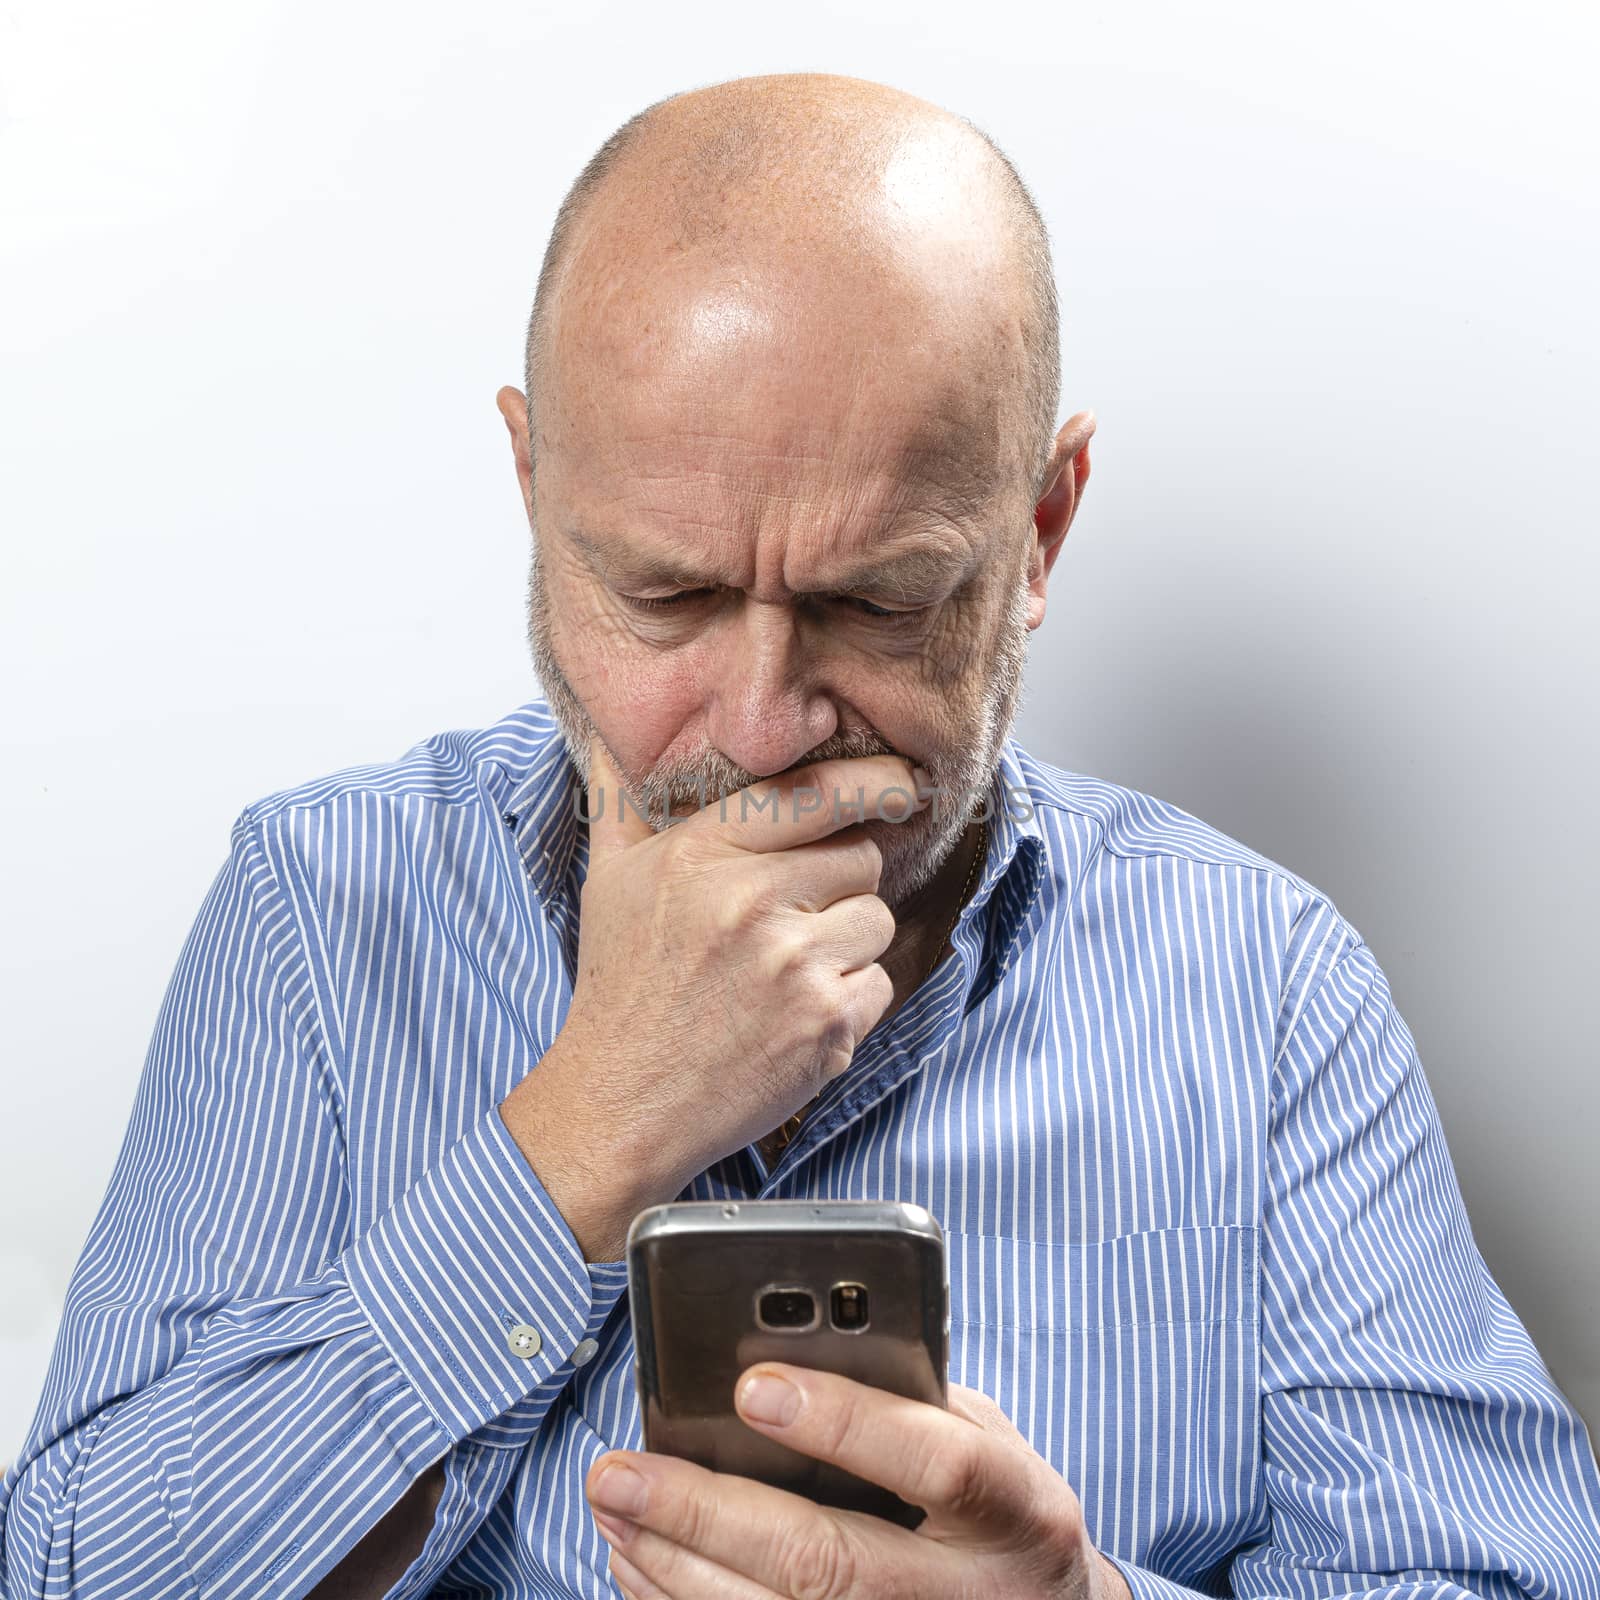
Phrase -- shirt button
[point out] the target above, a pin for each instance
(585, 1353)
(524, 1340)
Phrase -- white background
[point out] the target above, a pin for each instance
(1328, 280)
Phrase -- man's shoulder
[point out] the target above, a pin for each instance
(455, 767)
(1191, 868)
(1130, 824)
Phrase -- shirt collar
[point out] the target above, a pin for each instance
(1013, 869)
(546, 801)
(542, 810)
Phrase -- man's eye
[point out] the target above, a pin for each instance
(866, 608)
(894, 618)
(665, 602)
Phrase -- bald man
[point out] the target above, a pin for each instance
(352, 1320)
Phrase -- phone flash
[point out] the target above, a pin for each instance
(850, 1307)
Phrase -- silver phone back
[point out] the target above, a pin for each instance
(696, 1274)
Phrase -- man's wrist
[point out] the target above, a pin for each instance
(598, 1189)
(1112, 1585)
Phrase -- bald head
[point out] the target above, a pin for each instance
(736, 220)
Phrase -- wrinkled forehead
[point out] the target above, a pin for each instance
(795, 372)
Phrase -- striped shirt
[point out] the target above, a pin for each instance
(1205, 1243)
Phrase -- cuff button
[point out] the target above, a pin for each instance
(524, 1340)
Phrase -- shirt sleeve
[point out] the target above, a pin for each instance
(1413, 1443)
(240, 1388)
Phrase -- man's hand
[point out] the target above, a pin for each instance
(727, 970)
(1000, 1521)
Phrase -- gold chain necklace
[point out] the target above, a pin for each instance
(778, 1141)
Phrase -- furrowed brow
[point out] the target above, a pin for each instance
(614, 564)
(920, 572)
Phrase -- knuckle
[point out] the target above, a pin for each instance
(820, 1568)
(871, 856)
(1045, 1524)
(1062, 1514)
(737, 906)
(693, 1520)
(954, 1478)
(834, 1057)
(847, 1431)
(880, 992)
(817, 1000)
(885, 982)
(786, 954)
(1050, 1535)
(830, 1427)
(686, 852)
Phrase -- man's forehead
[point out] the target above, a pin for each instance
(924, 563)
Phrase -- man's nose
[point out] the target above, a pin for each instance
(766, 712)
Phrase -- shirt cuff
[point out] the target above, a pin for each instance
(478, 1288)
(1143, 1584)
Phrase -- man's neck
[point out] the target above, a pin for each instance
(912, 953)
(921, 937)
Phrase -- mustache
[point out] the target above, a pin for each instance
(711, 775)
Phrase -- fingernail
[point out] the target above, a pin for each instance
(621, 1489)
(769, 1399)
(923, 781)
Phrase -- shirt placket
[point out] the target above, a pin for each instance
(919, 1032)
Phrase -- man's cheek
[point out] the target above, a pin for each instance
(599, 651)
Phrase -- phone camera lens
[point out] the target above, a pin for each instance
(787, 1308)
(849, 1306)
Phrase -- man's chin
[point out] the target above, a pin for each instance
(914, 847)
(913, 852)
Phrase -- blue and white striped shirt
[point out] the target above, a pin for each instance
(1206, 1246)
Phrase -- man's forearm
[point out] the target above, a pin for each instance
(291, 1420)
(203, 1474)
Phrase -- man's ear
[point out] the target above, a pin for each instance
(1064, 486)
(515, 410)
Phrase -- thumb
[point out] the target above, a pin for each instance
(615, 822)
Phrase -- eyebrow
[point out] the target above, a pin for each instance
(918, 571)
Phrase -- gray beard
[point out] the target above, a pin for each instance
(964, 769)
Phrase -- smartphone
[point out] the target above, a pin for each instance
(858, 1287)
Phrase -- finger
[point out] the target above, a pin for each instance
(864, 997)
(656, 1569)
(628, 1578)
(957, 1471)
(851, 932)
(811, 877)
(817, 800)
(768, 1535)
(615, 822)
